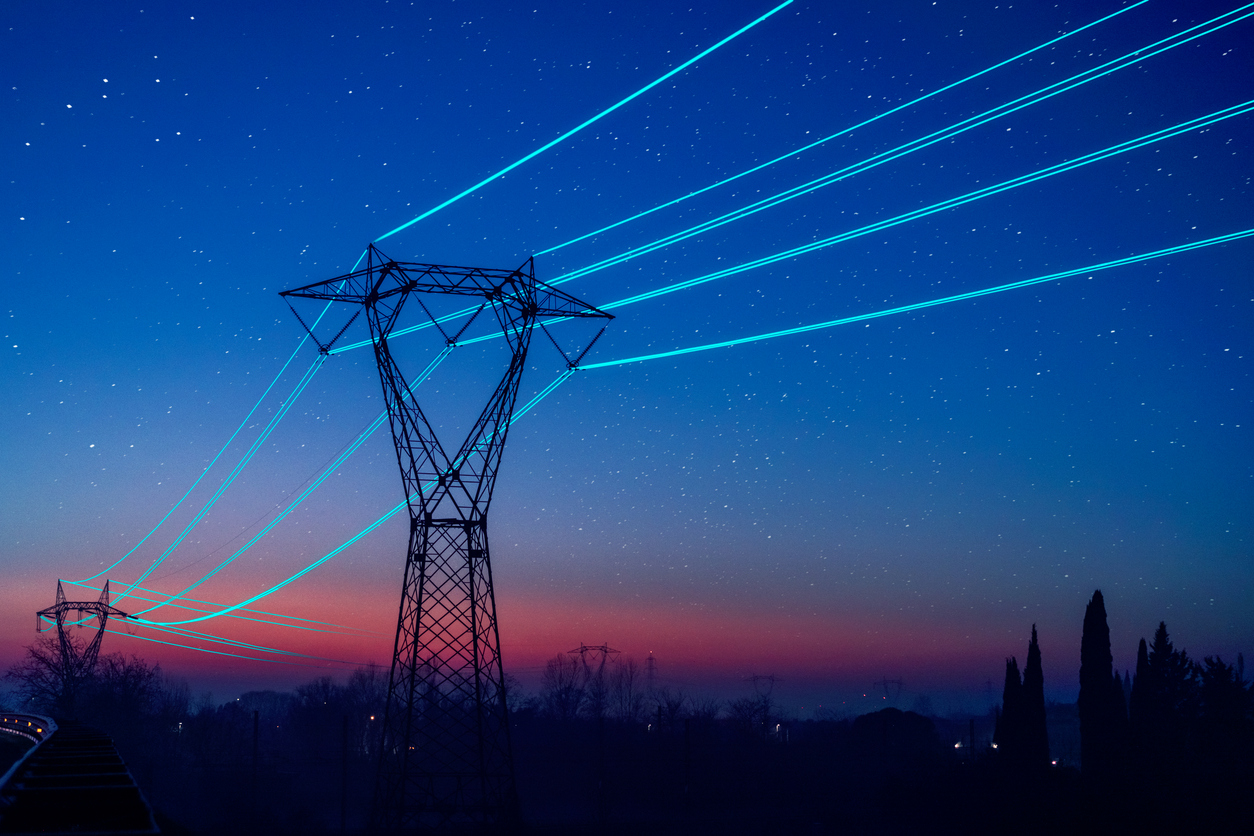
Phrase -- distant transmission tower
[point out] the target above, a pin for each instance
(599, 653)
(76, 665)
(446, 759)
(764, 684)
(593, 658)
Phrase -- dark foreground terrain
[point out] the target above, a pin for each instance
(888, 772)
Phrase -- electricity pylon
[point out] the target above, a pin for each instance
(594, 680)
(598, 652)
(446, 759)
(76, 664)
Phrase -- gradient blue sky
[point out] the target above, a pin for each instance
(902, 498)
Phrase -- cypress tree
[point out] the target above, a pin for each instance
(1100, 721)
(1138, 709)
(1035, 735)
(1006, 734)
(1119, 690)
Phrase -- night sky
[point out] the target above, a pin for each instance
(900, 497)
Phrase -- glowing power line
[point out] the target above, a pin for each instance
(317, 482)
(1049, 91)
(1068, 165)
(842, 132)
(1156, 136)
(230, 479)
(960, 127)
(565, 375)
(831, 323)
(402, 505)
(146, 595)
(1015, 182)
(585, 124)
(214, 461)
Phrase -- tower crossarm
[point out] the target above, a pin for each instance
(384, 284)
(100, 609)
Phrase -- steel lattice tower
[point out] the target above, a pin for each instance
(446, 758)
(77, 664)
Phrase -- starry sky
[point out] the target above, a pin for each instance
(900, 497)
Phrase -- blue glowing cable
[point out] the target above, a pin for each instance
(193, 634)
(293, 578)
(314, 485)
(185, 633)
(230, 479)
(970, 123)
(518, 413)
(255, 616)
(724, 344)
(214, 461)
(238, 655)
(842, 132)
(457, 197)
(585, 124)
(547, 390)
(1049, 91)
(1106, 265)
(1120, 148)
(197, 649)
(1023, 180)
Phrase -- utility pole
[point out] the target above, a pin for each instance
(446, 758)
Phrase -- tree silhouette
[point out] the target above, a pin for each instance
(1174, 676)
(1225, 694)
(1008, 732)
(1166, 697)
(1020, 734)
(627, 690)
(44, 680)
(1035, 735)
(1101, 706)
(1138, 708)
(561, 687)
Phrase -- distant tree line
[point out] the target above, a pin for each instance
(1020, 736)
(615, 691)
(272, 762)
(1174, 741)
(1167, 748)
